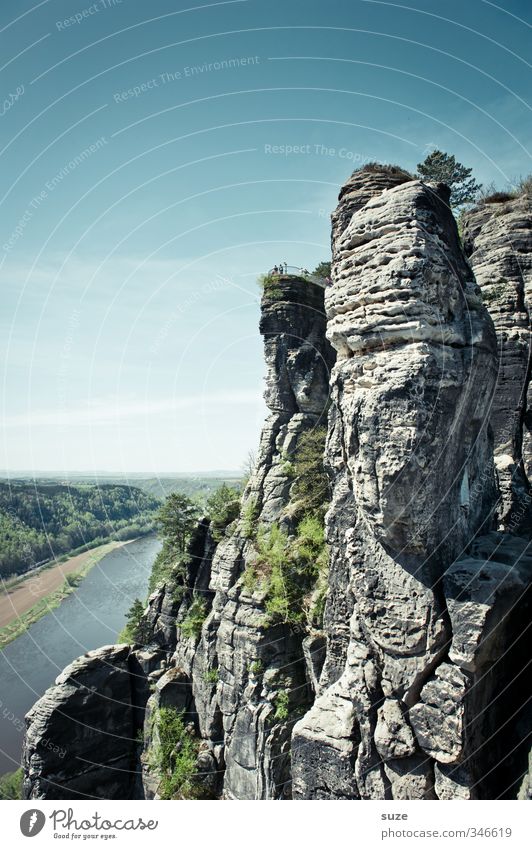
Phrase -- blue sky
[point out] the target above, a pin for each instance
(146, 182)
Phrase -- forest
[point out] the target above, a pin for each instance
(44, 520)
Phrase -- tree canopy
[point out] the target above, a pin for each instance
(39, 521)
(223, 507)
(443, 167)
(177, 518)
(323, 269)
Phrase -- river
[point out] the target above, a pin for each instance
(91, 617)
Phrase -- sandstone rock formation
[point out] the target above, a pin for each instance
(410, 449)
(413, 683)
(255, 659)
(498, 242)
(82, 736)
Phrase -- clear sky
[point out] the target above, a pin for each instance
(144, 186)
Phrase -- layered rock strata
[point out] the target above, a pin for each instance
(82, 735)
(411, 454)
(244, 736)
(498, 242)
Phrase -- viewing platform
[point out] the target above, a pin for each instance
(294, 271)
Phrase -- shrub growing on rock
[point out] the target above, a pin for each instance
(175, 756)
(194, 619)
(223, 507)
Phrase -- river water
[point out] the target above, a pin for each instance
(90, 617)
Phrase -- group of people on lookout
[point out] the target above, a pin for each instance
(282, 270)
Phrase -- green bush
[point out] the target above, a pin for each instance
(387, 168)
(11, 785)
(175, 756)
(250, 515)
(273, 545)
(323, 269)
(270, 287)
(281, 592)
(288, 469)
(223, 507)
(250, 579)
(72, 580)
(280, 598)
(498, 197)
(282, 705)
(211, 676)
(178, 593)
(310, 541)
(311, 490)
(256, 667)
(273, 293)
(194, 619)
(295, 572)
(165, 567)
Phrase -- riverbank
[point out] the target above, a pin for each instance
(88, 618)
(31, 598)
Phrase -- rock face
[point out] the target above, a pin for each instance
(255, 660)
(82, 735)
(414, 686)
(498, 242)
(231, 674)
(414, 485)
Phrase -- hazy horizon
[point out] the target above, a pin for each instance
(9, 473)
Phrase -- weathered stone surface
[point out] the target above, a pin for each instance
(359, 189)
(393, 735)
(468, 700)
(314, 650)
(438, 718)
(172, 690)
(411, 456)
(236, 713)
(498, 242)
(480, 595)
(410, 778)
(453, 782)
(416, 362)
(81, 737)
(324, 749)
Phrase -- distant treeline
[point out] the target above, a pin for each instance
(39, 521)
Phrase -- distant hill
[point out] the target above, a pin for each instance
(197, 486)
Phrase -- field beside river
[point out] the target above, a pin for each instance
(30, 598)
(91, 616)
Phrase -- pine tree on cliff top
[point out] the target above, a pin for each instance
(443, 167)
